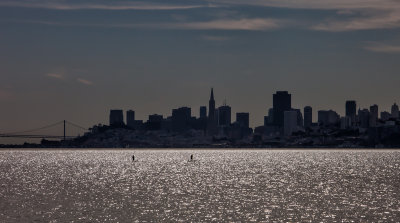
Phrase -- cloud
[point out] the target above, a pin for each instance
(254, 24)
(54, 75)
(230, 24)
(383, 21)
(84, 81)
(365, 14)
(382, 48)
(351, 15)
(101, 5)
(318, 4)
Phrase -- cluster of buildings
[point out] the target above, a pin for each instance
(283, 124)
(218, 121)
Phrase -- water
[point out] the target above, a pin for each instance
(224, 185)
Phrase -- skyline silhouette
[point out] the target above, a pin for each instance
(76, 60)
(281, 101)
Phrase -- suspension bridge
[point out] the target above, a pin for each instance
(62, 125)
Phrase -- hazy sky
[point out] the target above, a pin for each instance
(75, 60)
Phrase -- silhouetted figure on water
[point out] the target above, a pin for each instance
(133, 157)
(191, 157)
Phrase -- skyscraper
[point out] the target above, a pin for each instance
(351, 109)
(116, 118)
(282, 101)
(373, 115)
(224, 115)
(243, 119)
(211, 123)
(180, 119)
(395, 111)
(203, 112)
(130, 118)
(290, 122)
(300, 119)
(363, 116)
(307, 116)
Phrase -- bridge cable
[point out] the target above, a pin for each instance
(33, 130)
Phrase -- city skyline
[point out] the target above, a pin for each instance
(76, 60)
(124, 114)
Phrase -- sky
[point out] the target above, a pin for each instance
(76, 60)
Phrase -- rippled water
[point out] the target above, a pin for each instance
(224, 185)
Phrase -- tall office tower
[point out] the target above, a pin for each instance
(130, 118)
(373, 115)
(289, 122)
(300, 119)
(395, 111)
(266, 122)
(270, 116)
(116, 118)
(224, 115)
(180, 119)
(243, 119)
(363, 116)
(282, 101)
(212, 121)
(345, 122)
(307, 116)
(351, 109)
(203, 112)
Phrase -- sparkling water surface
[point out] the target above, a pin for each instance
(219, 185)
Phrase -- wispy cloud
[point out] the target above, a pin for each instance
(101, 5)
(366, 14)
(54, 75)
(84, 81)
(383, 21)
(318, 4)
(254, 24)
(382, 48)
(230, 24)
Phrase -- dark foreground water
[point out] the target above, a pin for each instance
(231, 186)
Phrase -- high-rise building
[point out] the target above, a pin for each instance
(116, 118)
(266, 122)
(290, 122)
(212, 121)
(270, 116)
(282, 101)
(395, 111)
(345, 122)
(373, 115)
(180, 119)
(363, 116)
(307, 116)
(243, 119)
(351, 109)
(224, 115)
(130, 118)
(203, 112)
(300, 119)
